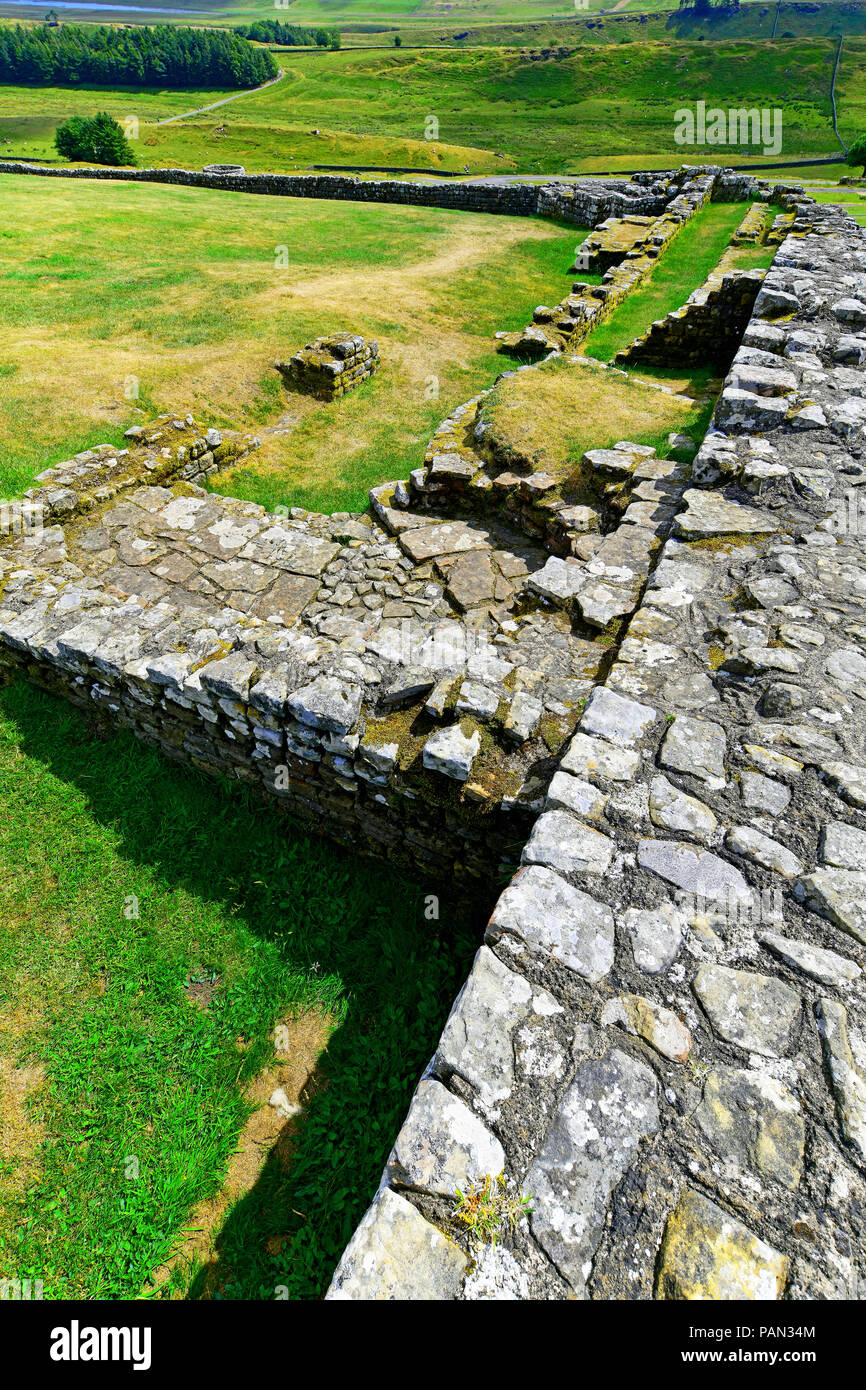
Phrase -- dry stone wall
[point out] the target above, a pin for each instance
(404, 678)
(625, 248)
(626, 251)
(661, 1041)
(297, 654)
(581, 201)
(709, 327)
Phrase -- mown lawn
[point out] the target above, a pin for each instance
(154, 931)
(187, 297)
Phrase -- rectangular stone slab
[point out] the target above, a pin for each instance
(444, 538)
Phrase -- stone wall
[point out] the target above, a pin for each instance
(583, 202)
(626, 247)
(310, 657)
(475, 474)
(171, 449)
(402, 678)
(709, 327)
(661, 1038)
(661, 1041)
(629, 260)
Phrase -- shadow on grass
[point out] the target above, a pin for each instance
(313, 926)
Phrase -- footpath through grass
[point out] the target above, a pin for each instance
(680, 270)
(154, 929)
(188, 296)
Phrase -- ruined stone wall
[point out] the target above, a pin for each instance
(661, 1038)
(661, 1041)
(366, 671)
(626, 246)
(707, 330)
(169, 450)
(628, 260)
(583, 202)
(330, 366)
(176, 614)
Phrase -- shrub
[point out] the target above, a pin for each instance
(857, 153)
(98, 138)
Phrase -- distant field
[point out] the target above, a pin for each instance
(540, 23)
(174, 292)
(484, 109)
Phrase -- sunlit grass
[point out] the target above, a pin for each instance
(123, 882)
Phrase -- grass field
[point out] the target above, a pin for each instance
(466, 23)
(175, 292)
(155, 932)
(587, 109)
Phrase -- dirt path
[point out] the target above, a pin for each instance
(169, 120)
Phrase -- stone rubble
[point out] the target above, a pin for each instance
(330, 366)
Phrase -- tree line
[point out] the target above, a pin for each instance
(710, 9)
(289, 35)
(162, 56)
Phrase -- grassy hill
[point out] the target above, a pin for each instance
(468, 23)
(497, 109)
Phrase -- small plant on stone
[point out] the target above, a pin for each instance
(489, 1209)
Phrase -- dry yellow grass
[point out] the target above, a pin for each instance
(21, 1128)
(551, 415)
(179, 294)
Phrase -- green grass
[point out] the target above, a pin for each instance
(576, 108)
(593, 109)
(229, 893)
(468, 23)
(682, 268)
(88, 304)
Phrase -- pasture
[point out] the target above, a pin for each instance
(125, 301)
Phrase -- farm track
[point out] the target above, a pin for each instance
(170, 120)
